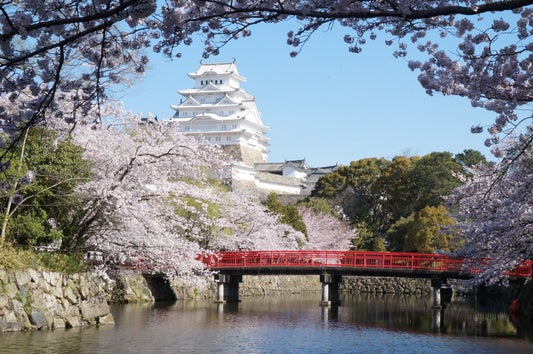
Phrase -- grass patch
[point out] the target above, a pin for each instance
(16, 258)
(60, 262)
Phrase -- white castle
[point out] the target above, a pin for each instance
(216, 110)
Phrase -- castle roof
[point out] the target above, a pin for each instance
(301, 165)
(217, 69)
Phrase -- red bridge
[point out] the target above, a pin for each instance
(332, 265)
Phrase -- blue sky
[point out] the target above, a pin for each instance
(327, 105)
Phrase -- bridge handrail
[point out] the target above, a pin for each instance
(353, 259)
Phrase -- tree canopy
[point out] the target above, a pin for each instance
(84, 46)
(374, 194)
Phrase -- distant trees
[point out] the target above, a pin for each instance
(425, 231)
(378, 196)
(288, 213)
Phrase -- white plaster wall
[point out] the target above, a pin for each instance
(274, 187)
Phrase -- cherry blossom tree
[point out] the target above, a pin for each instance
(158, 196)
(325, 231)
(494, 213)
(249, 225)
(144, 178)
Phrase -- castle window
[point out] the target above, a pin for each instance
(228, 138)
(217, 138)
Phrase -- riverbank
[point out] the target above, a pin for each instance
(32, 300)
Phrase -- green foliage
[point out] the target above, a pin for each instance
(424, 231)
(32, 228)
(18, 258)
(367, 240)
(470, 158)
(395, 182)
(352, 188)
(397, 232)
(60, 262)
(318, 205)
(432, 178)
(381, 194)
(289, 213)
(50, 210)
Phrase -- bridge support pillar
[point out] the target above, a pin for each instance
(330, 289)
(227, 288)
(436, 284)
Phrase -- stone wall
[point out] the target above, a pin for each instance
(184, 291)
(31, 299)
(279, 284)
(385, 285)
(129, 289)
(134, 288)
(243, 153)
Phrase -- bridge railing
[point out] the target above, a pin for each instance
(353, 259)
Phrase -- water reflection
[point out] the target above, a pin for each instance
(293, 323)
(415, 313)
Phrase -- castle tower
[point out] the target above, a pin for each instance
(217, 110)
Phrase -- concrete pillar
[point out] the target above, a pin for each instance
(325, 292)
(436, 320)
(330, 289)
(220, 293)
(436, 298)
(227, 288)
(436, 284)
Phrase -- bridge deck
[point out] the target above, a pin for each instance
(349, 263)
(378, 272)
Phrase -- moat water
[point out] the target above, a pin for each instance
(290, 324)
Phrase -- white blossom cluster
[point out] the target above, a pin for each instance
(154, 193)
(494, 214)
(326, 232)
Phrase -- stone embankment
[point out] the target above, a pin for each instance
(284, 284)
(31, 299)
(379, 285)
